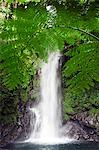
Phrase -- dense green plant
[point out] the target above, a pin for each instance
(81, 71)
(30, 31)
(19, 60)
(88, 102)
(26, 37)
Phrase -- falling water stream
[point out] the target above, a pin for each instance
(48, 122)
(50, 99)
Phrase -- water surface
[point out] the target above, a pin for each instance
(73, 146)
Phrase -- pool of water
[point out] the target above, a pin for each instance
(73, 146)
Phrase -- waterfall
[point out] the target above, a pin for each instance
(50, 98)
(48, 122)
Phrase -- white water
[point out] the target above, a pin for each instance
(51, 102)
(48, 123)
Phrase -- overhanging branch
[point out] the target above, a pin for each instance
(81, 30)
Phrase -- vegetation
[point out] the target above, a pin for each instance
(31, 30)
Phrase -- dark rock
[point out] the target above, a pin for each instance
(12, 132)
(78, 131)
(87, 119)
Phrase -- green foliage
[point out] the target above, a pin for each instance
(25, 39)
(89, 102)
(81, 71)
(67, 105)
(19, 60)
(22, 1)
(8, 109)
(12, 104)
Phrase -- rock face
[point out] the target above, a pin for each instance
(88, 120)
(11, 133)
(83, 126)
(80, 132)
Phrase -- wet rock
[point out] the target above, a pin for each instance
(87, 119)
(78, 131)
(19, 131)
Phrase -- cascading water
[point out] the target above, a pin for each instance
(48, 123)
(50, 96)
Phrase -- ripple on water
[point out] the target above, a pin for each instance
(69, 146)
